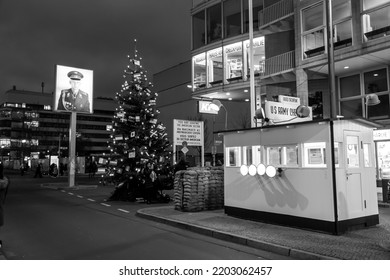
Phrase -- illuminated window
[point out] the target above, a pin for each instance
(234, 63)
(215, 60)
(314, 154)
(199, 70)
(233, 156)
(274, 156)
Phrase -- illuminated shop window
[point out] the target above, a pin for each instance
(234, 61)
(258, 55)
(314, 154)
(233, 156)
(215, 66)
(199, 70)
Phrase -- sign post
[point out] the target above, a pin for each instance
(72, 150)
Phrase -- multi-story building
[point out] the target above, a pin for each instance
(290, 54)
(31, 129)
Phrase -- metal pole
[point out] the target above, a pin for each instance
(251, 65)
(72, 150)
(333, 112)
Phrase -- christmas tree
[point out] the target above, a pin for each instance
(137, 136)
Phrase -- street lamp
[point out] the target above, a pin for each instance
(216, 105)
(371, 100)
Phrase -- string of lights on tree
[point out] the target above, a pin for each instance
(137, 136)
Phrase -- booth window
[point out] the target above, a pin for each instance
(352, 146)
(233, 157)
(367, 155)
(256, 151)
(274, 156)
(290, 154)
(314, 154)
(247, 157)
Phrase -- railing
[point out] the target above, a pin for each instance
(279, 63)
(276, 11)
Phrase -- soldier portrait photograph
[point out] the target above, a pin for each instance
(72, 90)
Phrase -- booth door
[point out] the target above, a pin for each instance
(354, 168)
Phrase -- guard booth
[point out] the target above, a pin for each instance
(286, 174)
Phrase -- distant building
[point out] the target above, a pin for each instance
(30, 129)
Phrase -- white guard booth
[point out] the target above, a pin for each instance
(286, 174)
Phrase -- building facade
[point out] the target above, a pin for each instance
(291, 45)
(30, 129)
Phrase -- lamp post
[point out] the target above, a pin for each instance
(216, 105)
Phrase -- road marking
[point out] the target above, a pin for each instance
(123, 210)
(108, 205)
(80, 196)
(70, 193)
(90, 199)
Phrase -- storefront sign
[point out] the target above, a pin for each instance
(284, 112)
(205, 108)
(289, 99)
(383, 134)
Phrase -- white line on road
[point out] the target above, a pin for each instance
(80, 196)
(123, 210)
(90, 199)
(108, 205)
(70, 193)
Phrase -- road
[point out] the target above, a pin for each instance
(52, 224)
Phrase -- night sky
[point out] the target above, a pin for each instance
(90, 34)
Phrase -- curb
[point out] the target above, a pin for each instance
(269, 247)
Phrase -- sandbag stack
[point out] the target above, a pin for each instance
(198, 189)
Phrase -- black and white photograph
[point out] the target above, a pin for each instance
(183, 139)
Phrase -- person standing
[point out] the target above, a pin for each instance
(38, 171)
(4, 184)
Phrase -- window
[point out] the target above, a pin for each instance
(199, 66)
(376, 24)
(232, 18)
(313, 26)
(256, 155)
(350, 86)
(351, 108)
(312, 18)
(274, 156)
(198, 30)
(215, 60)
(375, 81)
(247, 156)
(367, 155)
(290, 155)
(352, 151)
(234, 61)
(214, 23)
(258, 55)
(257, 9)
(233, 157)
(314, 154)
(369, 4)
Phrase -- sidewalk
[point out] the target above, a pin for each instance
(366, 244)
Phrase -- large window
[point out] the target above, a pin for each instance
(258, 55)
(257, 8)
(234, 61)
(313, 30)
(199, 66)
(215, 68)
(232, 18)
(355, 89)
(376, 19)
(342, 23)
(198, 30)
(214, 23)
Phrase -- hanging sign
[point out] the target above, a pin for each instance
(284, 112)
(205, 107)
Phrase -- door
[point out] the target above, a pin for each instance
(353, 172)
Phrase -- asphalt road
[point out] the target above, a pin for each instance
(50, 224)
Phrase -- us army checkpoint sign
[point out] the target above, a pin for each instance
(191, 132)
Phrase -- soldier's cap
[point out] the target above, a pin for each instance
(75, 75)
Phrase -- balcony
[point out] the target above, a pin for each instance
(279, 64)
(277, 17)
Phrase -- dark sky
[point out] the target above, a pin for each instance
(91, 34)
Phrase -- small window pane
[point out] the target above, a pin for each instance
(313, 43)
(247, 156)
(352, 152)
(381, 110)
(233, 156)
(256, 155)
(274, 156)
(352, 108)
(214, 23)
(341, 9)
(314, 154)
(312, 17)
(291, 156)
(375, 81)
(232, 18)
(369, 4)
(376, 24)
(367, 155)
(198, 30)
(350, 86)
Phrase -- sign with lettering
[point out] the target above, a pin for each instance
(284, 112)
(289, 99)
(383, 134)
(188, 131)
(205, 107)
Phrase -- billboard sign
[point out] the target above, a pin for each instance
(73, 90)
